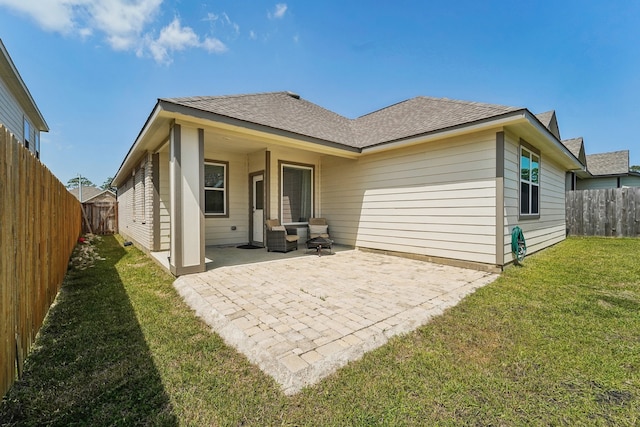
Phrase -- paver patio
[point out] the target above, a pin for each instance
(300, 319)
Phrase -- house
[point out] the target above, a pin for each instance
(431, 178)
(18, 111)
(608, 170)
(576, 147)
(91, 194)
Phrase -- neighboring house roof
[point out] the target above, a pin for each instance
(613, 163)
(89, 193)
(575, 145)
(287, 111)
(549, 120)
(10, 75)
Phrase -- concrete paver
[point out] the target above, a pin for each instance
(300, 319)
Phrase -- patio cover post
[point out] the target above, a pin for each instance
(186, 185)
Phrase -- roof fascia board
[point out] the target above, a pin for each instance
(465, 128)
(22, 87)
(230, 121)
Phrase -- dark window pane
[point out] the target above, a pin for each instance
(259, 195)
(535, 199)
(524, 198)
(214, 202)
(296, 194)
(214, 176)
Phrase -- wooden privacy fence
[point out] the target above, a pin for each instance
(40, 224)
(604, 212)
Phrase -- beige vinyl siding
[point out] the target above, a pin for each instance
(218, 231)
(550, 228)
(135, 204)
(165, 201)
(435, 199)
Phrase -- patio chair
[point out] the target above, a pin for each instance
(278, 239)
(318, 227)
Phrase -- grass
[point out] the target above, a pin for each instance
(555, 342)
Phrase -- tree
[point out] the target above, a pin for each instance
(635, 168)
(76, 181)
(106, 185)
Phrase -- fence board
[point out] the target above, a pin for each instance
(39, 227)
(604, 212)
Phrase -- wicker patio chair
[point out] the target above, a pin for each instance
(278, 240)
(318, 227)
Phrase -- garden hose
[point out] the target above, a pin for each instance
(518, 244)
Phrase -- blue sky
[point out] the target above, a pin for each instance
(96, 67)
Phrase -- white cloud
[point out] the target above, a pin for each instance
(278, 13)
(253, 35)
(124, 24)
(123, 21)
(51, 15)
(224, 20)
(174, 37)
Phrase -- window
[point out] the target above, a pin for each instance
(215, 188)
(139, 194)
(529, 183)
(296, 201)
(37, 143)
(27, 133)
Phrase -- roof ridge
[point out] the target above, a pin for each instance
(239, 95)
(442, 99)
(609, 152)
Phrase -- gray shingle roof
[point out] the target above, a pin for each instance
(613, 163)
(279, 110)
(548, 119)
(87, 192)
(421, 115)
(574, 145)
(287, 111)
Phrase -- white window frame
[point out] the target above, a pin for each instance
(526, 149)
(224, 190)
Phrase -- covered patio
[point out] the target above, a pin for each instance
(301, 317)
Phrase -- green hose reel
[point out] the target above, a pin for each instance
(518, 244)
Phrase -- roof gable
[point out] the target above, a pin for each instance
(576, 146)
(549, 120)
(612, 163)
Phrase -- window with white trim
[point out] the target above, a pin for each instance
(529, 183)
(296, 193)
(216, 188)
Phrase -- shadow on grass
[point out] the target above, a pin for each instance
(90, 364)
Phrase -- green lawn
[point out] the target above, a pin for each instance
(555, 342)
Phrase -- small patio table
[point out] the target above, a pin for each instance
(318, 243)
